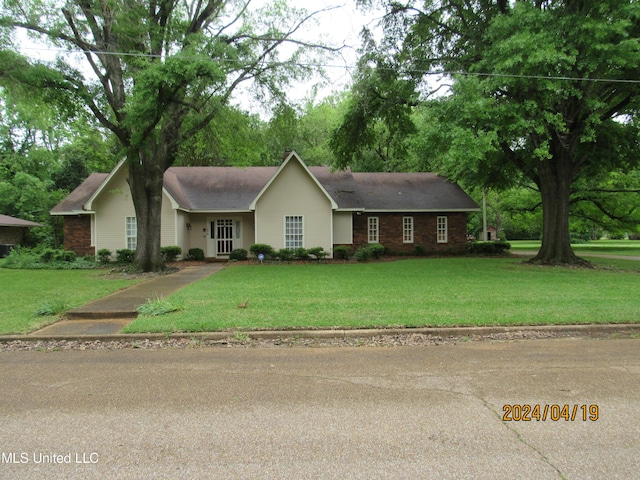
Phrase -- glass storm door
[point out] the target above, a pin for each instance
(224, 236)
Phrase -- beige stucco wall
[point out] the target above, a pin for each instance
(114, 204)
(200, 234)
(181, 232)
(342, 228)
(169, 225)
(293, 192)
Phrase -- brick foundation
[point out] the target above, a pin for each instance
(77, 235)
(424, 232)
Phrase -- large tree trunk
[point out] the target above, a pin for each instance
(555, 187)
(146, 181)
(147, 165)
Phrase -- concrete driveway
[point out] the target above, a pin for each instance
(386, 412)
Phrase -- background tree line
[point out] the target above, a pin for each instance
(561, 105)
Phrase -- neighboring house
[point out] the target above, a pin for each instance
(219, 209)
(13, 231)
(492, 234)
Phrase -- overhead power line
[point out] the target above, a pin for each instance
(354, 67)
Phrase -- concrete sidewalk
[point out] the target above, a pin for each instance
(112, 313)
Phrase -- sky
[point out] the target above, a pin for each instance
(338, 23)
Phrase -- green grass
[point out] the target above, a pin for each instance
(600, 247)
(433, 291)
(34, 298)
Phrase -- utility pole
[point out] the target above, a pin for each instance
(484, 214)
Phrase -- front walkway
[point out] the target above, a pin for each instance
(112, 313)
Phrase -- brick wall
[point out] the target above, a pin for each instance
(12, 235)
(424, 232)
(77, 235)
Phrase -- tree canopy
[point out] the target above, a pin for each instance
(155, 73)
(541, 91)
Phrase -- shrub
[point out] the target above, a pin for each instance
(125, 255)
(362, 254)
(65, 256)
(489, 248)
(261, 248)
(284, 254)
(21, 258)
(47, 255)
(239, 254)
(341, 252)
(301, 253)
(317, 252)
(32, 259)
(377, 250)
(195, 254)
(372, 250)
(170, 253)
(104, 255)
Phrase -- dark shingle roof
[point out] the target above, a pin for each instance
(7, 221)
(216, 188)
(411, 191)
(340, 185)
(74, 202)
(233, 189)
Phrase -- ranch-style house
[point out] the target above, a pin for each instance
(219, 209)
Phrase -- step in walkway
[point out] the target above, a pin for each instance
(112, 313)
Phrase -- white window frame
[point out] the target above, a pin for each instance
(442, 230)
(131, 232)
(373, 230)
(293, 232)
(407, 229)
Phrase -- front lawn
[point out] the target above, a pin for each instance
(420, 292)
(26, 292)
(600, 247)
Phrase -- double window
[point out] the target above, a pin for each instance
(131, 232)
(293, 232)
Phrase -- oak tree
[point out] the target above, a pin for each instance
(542, 91)
(155, 72)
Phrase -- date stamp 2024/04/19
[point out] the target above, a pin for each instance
(528, 413)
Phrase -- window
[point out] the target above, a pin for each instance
(131, 232)
(442, 230)
(372, 230)
(407, 229)
(293, 237)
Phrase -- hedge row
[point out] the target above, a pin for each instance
(39, 258)
(285, 254)
(489, 248)
(169, 254)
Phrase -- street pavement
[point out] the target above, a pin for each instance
(343, 413)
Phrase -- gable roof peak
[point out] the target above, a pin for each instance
(287, 153)
(293, 154)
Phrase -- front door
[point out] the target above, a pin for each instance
(222, 234)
